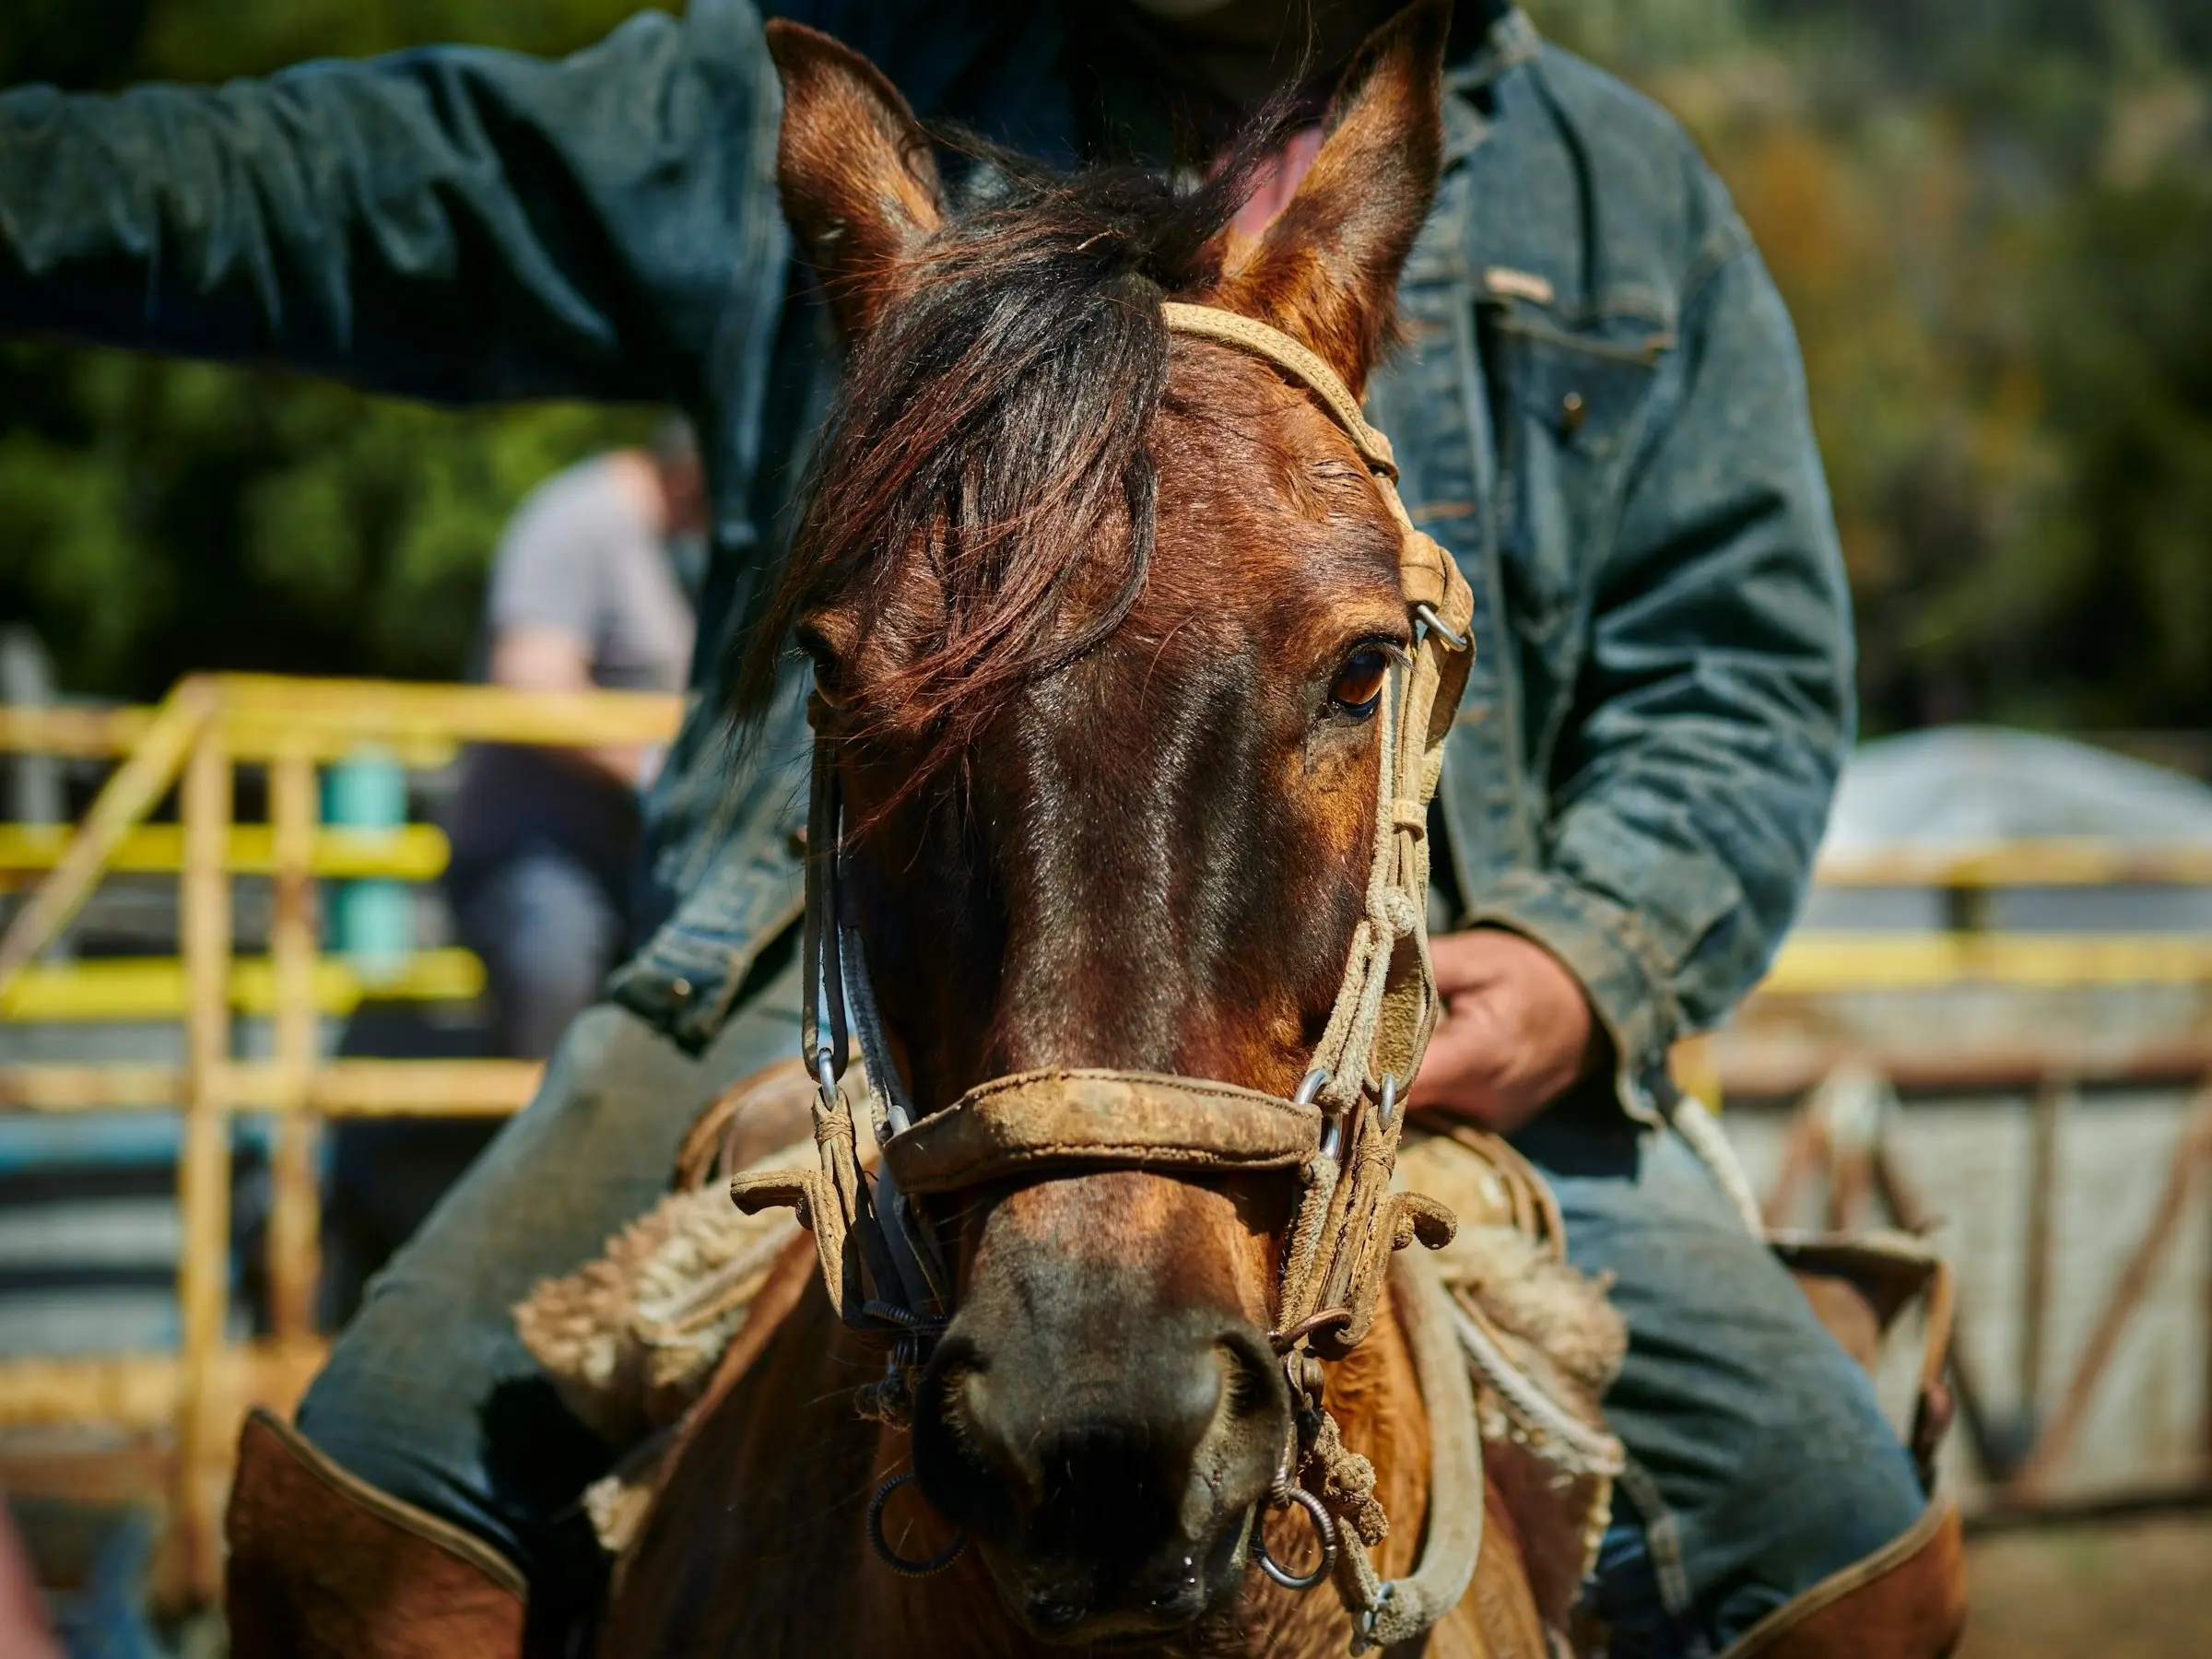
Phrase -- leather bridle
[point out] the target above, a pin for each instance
(1338, 1133)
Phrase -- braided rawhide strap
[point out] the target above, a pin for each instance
(1341, 1132)
(1385, 1006)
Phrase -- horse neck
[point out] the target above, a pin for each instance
(1376, 1400)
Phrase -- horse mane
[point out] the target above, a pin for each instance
(981, 501)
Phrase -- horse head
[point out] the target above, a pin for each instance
(1100, 616)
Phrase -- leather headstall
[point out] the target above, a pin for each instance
(1339, 1136)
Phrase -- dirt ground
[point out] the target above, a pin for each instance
(2133, 1589)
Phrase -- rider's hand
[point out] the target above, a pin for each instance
(1514, 1032)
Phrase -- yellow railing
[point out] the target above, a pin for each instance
(409, 853)
(210, 726)
(154, 988)
(194, 742)
(1831, 963)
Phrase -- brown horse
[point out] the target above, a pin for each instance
(1099, 618)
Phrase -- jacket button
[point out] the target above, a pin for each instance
(1573, 411)
(680, 989)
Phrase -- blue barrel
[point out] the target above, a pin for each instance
(371, 923)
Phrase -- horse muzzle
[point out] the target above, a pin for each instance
(1109, 1461)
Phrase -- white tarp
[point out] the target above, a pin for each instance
(1959, 786)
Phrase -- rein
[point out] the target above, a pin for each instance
(1339, 1132)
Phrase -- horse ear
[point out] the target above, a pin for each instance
(855, 171)
(1327, 271)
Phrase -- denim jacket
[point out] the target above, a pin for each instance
(1601, 412)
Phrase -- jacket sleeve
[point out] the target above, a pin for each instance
(1715, 706)
(451, 223)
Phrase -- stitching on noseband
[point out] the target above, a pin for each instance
(1340, 1131)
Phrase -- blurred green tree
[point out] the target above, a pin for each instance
(160, 516)
(1992, 222)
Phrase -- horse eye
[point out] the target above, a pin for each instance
(1359, 684)
(818, 652)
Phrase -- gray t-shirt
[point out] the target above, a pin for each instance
(578, 556)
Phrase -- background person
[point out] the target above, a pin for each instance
(591, 585)
(586, 590)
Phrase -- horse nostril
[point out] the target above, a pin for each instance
(1055, 1613)
(1178, 1591)
(962, 1457)
(1255, 1379)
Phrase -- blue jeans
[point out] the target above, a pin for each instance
(549, 931)
(1759, 1461)
(1760, 1464)
(430, 1394)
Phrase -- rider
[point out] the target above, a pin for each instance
(1602, 415)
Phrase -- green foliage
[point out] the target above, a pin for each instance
(1992, 222)
(2127, 560)
(160, 516)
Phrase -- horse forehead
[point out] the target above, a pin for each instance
(1272, 542)
(1266, 511)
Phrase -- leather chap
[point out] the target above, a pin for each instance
(323, 1566)
(1905, 1601)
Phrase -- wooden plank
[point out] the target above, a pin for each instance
(267, 715)
(60, 730)
(1804, 1155)
(138, 1393)
(133, 1472)
(425, 1087)
(2055, 862)
(261, 712)
(1771, 1065)
(1825, 963)
(294, 1261)
(408, 853)
(2051, 1102)
(339, 1088)
(129, 1392)
(126, 798)
(204, 1166)
(2193, 1151)
(1912, 1213)
(63, 1088)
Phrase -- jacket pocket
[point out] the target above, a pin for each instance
(1569, 404)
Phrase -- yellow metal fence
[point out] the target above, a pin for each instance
(194, 742)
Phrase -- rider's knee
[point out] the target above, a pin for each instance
(429, 1379)
(1905, 1599)
(1839, 1491)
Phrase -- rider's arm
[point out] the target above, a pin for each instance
(453, 223)
(1716, 706)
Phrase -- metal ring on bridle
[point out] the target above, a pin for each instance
(1370, 1616)
(1324, 1529)
(905, 1567)
(1282, 1342)
(1435, 625)
(1332, 1134)
(825, 1075)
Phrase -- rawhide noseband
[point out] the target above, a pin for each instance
(1338, 1133)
